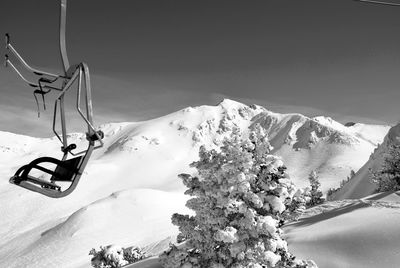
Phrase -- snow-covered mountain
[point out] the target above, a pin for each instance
(130, 187)
(360, 185)
(305, 144)
(320, 144)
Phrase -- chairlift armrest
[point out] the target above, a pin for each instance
(24, 63)
(46, 170)
(35, 164)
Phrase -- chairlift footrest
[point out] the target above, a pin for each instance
(17, 180)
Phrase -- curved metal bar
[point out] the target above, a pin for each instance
(60, 98)
(54, 120)
(80, 73)
(27, 66)
(63, 122)
(63, 49)
(30, 83)
(20, 75)
(89, 107)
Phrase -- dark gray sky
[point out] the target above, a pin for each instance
(318, 57)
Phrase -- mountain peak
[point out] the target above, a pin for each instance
(229, 102)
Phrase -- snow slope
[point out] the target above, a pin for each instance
(125, 217)
(130, 187)
(350, 234)
(361, 185)
(359, 233)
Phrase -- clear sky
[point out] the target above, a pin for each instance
(147, 58)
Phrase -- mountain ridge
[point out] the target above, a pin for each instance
(293, 136)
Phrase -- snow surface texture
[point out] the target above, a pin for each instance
(130, 188)
(350, 234)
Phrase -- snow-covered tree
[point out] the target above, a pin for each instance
(111, 256)
(239, 195)
(315, 192)
(134, 254)
(297, 205)
(114, 256)
(388, 177)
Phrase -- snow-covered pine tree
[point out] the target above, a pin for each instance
(111, 256)
(296, 206)
(114, 256)
(239, 195)
(388, 177)
(315, 193)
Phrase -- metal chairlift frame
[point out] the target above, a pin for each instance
(67, 170)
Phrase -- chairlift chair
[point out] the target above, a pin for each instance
(67, 171)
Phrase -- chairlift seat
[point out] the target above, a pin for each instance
(65, 171)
